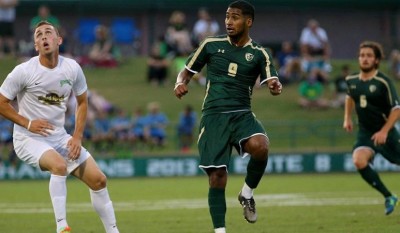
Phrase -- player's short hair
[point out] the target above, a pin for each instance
(245, 7)
(376, 47)
(45, 22)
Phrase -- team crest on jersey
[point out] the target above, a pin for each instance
(372, 88)
(249, 56)
(65, 81)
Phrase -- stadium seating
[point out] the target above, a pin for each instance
(125, 34)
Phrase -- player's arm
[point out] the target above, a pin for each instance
(75, 143)
(380, 137)
(392, 119)
(182, 80)
(348, 109)
(8, 112)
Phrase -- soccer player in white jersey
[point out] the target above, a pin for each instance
(42, 87)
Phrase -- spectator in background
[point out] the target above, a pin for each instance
(102, 136)
(157, 122)
(7, 35)
(120, 124)
(315, 48)
(289, 63)
(311, 92)
(340, 88)
(157, 63)
(177, 35)
(44, 14)
(6, 140)
(394, 63)
(186, 127)
(103, 53)
(139, 134)
(205, 26)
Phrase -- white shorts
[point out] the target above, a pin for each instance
(31, 148)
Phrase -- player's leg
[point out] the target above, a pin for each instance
(95, 179)
(38, 152)
(53, 162)
(257, 147)
(251, 139)
(361, 159)
(215, 150)
(218, 178)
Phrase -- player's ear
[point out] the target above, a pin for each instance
(36, 47)
(249, 22)
(60, 40)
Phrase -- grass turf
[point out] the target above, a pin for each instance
(306, 203)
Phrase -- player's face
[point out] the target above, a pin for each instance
(236, 23)
(367, 60)
(46, 39)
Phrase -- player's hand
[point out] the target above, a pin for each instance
(348, 126)
(180, 90)
(379, 138)
(275, 87)
(74, 146)
(40, 126)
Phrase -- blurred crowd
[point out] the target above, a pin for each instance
(304, 62)
(111, 130)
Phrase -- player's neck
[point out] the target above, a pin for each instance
(239, 42)
(49, 60)
(367, 75)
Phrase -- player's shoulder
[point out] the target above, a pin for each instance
(27, 66)
(215, 39)
(67, 60)
(382, 75)
(353, 76)
(68, 63)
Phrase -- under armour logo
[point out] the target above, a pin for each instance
(221, 50)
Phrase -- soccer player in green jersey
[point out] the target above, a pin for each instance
(234, 62)
(376, 103)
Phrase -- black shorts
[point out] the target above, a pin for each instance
(390, 150)
(220, 133)
(6, 29)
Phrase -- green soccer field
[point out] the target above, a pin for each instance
(311, 203)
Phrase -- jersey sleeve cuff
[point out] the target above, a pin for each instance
(193, 71)
(264, 81)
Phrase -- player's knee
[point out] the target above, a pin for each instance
(360, 163)
(258, 148)
(217, 177)
(59, 169)
(100, 182)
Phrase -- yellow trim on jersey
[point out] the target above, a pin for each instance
(387, 87)
(205, 96)
(200, 48)
(267, 60)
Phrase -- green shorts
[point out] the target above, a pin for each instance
(390, 150)
(219, 133)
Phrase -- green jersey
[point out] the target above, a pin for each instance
(374, 99)
(231, 72)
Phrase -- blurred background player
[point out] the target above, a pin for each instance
(374, 98)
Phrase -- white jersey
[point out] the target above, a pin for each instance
(43, 93)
